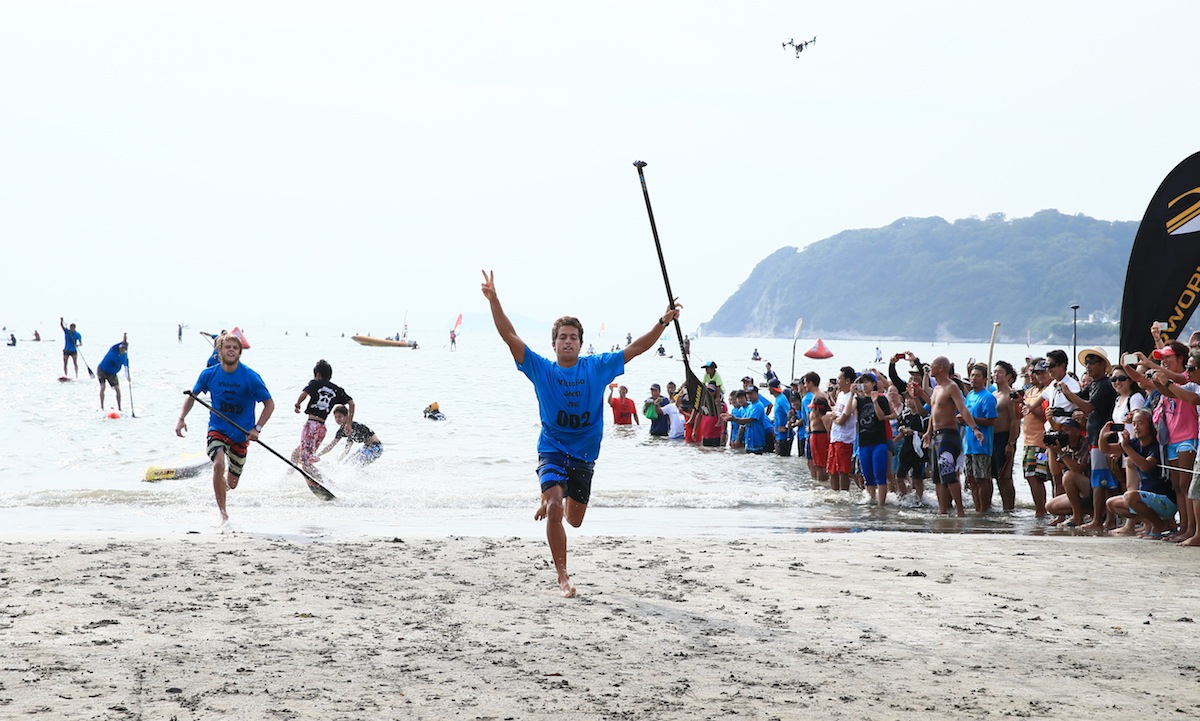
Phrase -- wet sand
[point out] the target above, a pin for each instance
(853, 626)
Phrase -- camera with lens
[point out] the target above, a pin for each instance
(1016, 395)
(1060, 412)
(1055, 438)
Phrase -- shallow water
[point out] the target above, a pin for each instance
(67, 468)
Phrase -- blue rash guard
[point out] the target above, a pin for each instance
(71, 339)
(113, 360)
(233, 394)
(571, 401)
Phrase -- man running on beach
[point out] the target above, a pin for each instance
(235, 389)
(946, 409)
(570, 393)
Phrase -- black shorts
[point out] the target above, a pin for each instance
(946, 447)
(111, 379)
(559, 469)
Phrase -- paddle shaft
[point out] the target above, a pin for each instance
(243, 430)
(129, 382)
(694, 385)
(85, 364)
(992, 346)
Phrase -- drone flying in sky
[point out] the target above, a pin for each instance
(799, 46)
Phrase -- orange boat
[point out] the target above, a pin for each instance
(383, 342)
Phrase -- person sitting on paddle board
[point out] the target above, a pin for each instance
(108, 369)
(322, 395)
(570, 393)
(372, 447)
(235, 390)
(71, 349)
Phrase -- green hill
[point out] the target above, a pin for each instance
(928, 279)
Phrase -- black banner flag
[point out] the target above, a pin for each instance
(1162, 282)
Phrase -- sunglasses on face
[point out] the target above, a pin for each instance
(1092, 360)
(1119, 379)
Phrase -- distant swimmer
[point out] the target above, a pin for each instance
(71, 349)
(433, 413)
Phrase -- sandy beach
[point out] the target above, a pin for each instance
(850, 626)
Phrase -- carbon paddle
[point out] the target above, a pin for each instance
(129, 382)
(693, 383)
(85, 365)
(321, 491)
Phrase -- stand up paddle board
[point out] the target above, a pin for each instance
(64, 379)
(185, 469)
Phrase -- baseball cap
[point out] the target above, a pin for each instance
(1070, 422)
(747, 379)
(1164, 352)
(1041, 365)
(655, 387)
(775, 383)
(710, 364)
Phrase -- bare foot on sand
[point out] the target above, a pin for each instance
(540, 513)
(1193, 541)
(1093, 526)
(565, 587)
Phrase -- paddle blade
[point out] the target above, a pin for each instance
(799, 325)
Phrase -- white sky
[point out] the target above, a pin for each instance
(345, 163)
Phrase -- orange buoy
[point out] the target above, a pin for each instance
(819, 350)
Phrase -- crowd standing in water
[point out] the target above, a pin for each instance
(1113, 450)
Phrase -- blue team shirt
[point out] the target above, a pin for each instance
(782, 408)
(113, 360)
(571, 401)
(756, 436)
(802, 415)
(233, 394)
(72, 339)
(982, 404)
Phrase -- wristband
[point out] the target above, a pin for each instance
(662, 322)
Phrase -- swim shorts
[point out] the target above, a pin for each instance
(979, 465)
(946, 447)
(1174, 449)
(235, 453)
(999, 453)
(818, 447)
(839, 459)
(1102, 477)
(369, 454)
(1033, 463)
(111, 379)
(559, 469)
(1162, 506)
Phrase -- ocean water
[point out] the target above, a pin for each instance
(67, 467)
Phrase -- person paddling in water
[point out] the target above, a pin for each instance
(570, 393)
